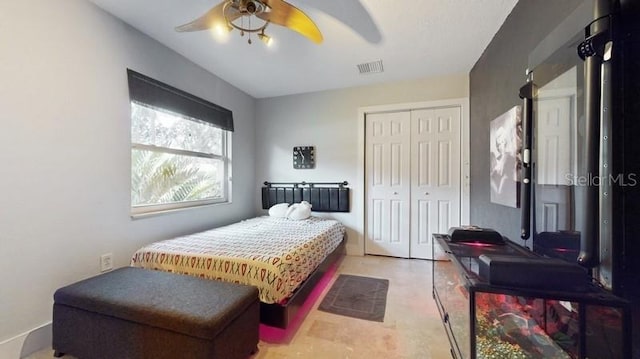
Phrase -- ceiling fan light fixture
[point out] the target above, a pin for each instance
(220, 32)
(221, 29)
(268, 40)
(235, 12)
(251, 7)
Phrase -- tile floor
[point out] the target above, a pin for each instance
(411, 329)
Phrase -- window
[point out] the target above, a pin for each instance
(177, 160)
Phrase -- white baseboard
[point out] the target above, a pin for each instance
(27, 343)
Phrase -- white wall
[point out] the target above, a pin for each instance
(328, 120)
(65, 152)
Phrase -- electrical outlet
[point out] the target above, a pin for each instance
(106, 262)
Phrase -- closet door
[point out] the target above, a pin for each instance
(435, 176)
(388, 183)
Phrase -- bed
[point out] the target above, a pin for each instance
(283, 258)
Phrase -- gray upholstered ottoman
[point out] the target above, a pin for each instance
(139, 313)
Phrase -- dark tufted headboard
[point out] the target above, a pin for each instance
(324, 197)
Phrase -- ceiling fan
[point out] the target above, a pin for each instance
(238, 14)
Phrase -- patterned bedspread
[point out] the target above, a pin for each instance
(274, 254)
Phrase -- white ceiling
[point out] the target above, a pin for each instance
(414, 39)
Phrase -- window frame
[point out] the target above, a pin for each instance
(162, 97)
(150, 209)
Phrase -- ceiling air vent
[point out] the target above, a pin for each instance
(371, 67)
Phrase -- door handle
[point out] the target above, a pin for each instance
(426, 193)
(395, 193)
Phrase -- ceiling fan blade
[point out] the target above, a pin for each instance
(287, 15)
(351, 13)
(210, 19)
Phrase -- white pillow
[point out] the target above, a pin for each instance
(306, 204)
(279, 210)
(299, 211)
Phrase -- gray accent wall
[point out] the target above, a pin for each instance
(495, 80)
